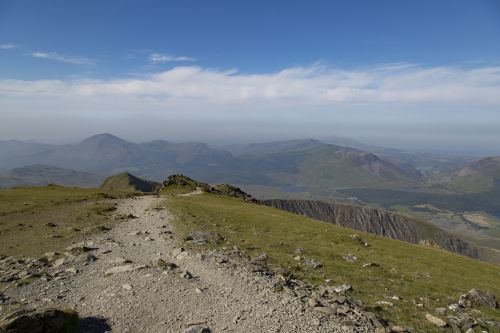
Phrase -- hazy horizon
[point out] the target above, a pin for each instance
(369, 72)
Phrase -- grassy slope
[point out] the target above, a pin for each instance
(418, 274)
(25, 211)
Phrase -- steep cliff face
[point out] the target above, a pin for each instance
(378, 222)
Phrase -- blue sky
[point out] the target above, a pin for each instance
(390, 72)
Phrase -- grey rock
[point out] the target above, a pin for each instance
(122, 269)
(342, 289)
(350, 258)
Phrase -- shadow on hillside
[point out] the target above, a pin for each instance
(93, 325)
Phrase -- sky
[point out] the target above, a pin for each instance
(421, 75)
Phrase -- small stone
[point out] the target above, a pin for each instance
(350, 258)
(312, 302)
(71, 270)
(177, 251)
(198, 291)
(435, 320)
(186, 275)
(313, 263)
(127, 286)
(384, 303)
(122, 269)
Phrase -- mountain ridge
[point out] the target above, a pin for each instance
(377, 222)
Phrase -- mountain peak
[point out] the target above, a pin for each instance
(103, 137)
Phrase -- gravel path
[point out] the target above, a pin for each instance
(127, 289)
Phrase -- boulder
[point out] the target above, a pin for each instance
(478, 297)
(435, 320)
(40, 321)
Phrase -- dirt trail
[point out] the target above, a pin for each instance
(195, 192)
(216, 293)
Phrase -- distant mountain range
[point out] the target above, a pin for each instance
(305, 165)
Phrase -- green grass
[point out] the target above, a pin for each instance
(25, 213)
(415, 273)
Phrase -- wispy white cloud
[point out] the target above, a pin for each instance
(316, 85)
(75, 60)
(158, 58)
(7, 46)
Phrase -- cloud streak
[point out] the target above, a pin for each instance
(74, 60)
(7, 46)
(158, 58)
